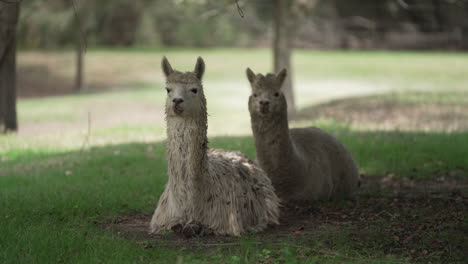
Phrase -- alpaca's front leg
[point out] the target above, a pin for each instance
(166, 216)
(160, 225)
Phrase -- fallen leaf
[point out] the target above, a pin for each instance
(440, 179)
(388, 179)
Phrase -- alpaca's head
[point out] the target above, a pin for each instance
(266, 99)
(185, 97)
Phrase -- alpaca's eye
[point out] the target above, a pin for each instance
(254, 95)
(168, 90)
(276, 94)
(194, 90)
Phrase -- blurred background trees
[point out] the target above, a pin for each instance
(344, 24)
(280, 24)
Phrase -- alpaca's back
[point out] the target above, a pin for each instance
(326, 167)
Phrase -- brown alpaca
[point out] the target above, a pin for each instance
(208, 191)
(304, 164)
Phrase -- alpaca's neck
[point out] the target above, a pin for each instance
(186, 150)
(273, 143)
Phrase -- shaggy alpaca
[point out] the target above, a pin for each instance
(304, 164)
(208, 191)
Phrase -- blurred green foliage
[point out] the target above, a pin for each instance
(205, 23)
(53, 23)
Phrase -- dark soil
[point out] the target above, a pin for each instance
(421, 221)
(389, 113)
(39, 81)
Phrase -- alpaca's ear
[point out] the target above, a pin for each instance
(250, 75)
(281, 76)
(166, 66)
(199, 68)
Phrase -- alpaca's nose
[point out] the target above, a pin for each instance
(265, 103)
(177, 100)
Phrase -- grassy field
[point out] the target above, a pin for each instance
(82, 163)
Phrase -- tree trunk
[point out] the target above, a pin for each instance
(282, 47)
(81, 9)
(79, 64)
(9, 13)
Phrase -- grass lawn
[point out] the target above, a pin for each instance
(83, 165)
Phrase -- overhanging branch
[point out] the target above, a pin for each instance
(11, 1)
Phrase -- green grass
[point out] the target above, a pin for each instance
(53, 200)
(54, 195)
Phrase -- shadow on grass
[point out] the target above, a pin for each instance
(410, 111)
(396, 214)
(40, 81)
(412, 155)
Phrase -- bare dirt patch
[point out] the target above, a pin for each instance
(419, 221)
(390, 114)
(40, 81)
(53, 73)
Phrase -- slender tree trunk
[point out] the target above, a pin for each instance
(282, 47)
(9, 13)
(79, 77)
(80, 18)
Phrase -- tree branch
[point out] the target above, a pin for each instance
(239, 9)
(11, 1)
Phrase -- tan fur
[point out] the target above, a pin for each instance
(217, 191)
(304, 164)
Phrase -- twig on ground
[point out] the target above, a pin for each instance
(385, 212)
